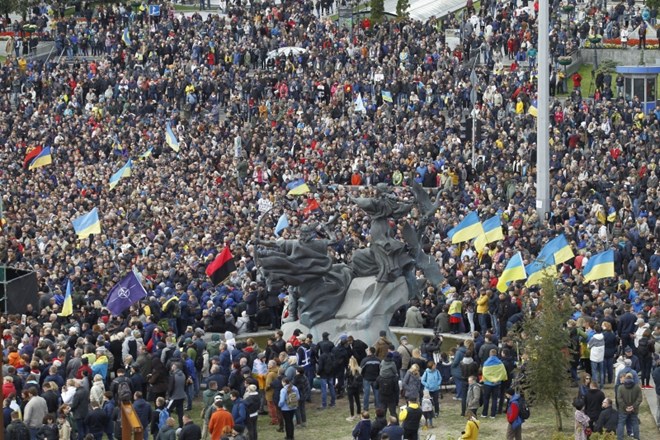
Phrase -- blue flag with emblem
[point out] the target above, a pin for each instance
(125, 293)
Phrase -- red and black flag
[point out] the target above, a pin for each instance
(30, 154)
(221, 267)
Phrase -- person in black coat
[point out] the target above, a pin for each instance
(190, 430)
(593, 403)
(48, 431)
(378, 424)
(51, 396)
(96, 421)
(608, 418)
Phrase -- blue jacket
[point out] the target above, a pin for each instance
(432, 380)
(283, 404)
(456, 363)
(143, 411)
(238, 412)
(362, 430)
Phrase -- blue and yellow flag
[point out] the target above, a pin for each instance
(146, 154)
(387, 96)
(492, 232)
(126, 38)
(537, 270)
(297, 188)
(170, 138)
(556, 251)
(611, 214)
(44, 158)
(67, 307)
(493, 371)
(514, 270)
(599, 266)
(124, 171)
(470, 227)
(87, 224)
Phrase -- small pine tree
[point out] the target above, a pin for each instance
(402, 7)
(546, 347)
(377, 9)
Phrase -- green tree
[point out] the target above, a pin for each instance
(547, 345)
(19, 6)
(653, 4)
(402, 7)
(377, 9)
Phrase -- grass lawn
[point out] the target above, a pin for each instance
(587, 79)
(331, 424)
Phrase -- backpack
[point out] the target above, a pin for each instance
(124, 393)
(523, 409)
(643, 347)
(163, 415)
(20, 431)
(291, 397)
(387, 385)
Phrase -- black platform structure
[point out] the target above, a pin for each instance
(18, 288)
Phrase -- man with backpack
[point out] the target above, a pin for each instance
(17, 430)
(289, 398)
(159, 416)
(121, 387)
(387, 384)
(516, 414)
(326, 373)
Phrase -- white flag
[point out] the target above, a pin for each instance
(359, 104)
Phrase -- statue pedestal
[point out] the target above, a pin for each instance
(367, 309)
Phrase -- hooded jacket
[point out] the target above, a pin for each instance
(597, 348)
(630, 394)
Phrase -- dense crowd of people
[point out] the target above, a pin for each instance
(250, 120)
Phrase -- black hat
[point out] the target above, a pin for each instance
(382, 333)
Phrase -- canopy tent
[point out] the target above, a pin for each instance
(423, 9)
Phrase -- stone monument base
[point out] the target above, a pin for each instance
(367, 309)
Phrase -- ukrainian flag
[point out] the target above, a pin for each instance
(387, 96)
(67, 307)
(493, 370)
(299, 189)
(467, 229)
(146, 154)
(514, 270)
(599, 266)
(171, 139)
(492, 232)
(124, 171)
(44, 158)
(556, 251)
(87, 224)
(532, 110)
(611, 214)
(537, 270)
(126, 38)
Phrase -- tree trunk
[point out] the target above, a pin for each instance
(558, 421)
